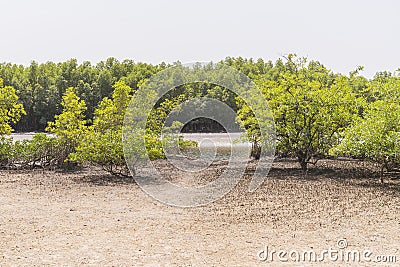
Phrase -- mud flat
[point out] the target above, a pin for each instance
(90, 218)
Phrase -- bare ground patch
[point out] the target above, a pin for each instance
(91, 218)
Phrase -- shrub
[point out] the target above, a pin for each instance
(6, 151)
(104, 150)
(69, 126)
(40, 152)
(375, 138)
(10, 109)
(310, 106)
(102, 143)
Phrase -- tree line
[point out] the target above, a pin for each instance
(40, 87)
(317, 113)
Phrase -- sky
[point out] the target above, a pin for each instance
(342, 34)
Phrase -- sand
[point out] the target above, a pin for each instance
(90, 218)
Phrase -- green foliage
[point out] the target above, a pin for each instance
(154, 146)
(157, 116)
(70, 126)
(102, 144)
(6, 151)
(10, 109)
(310, 106)
(109, 115)
(42, 151)
(103, 149)
(41, 86)
(376, 137)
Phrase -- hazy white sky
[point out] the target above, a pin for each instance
(342, 34)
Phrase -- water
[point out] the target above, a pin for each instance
(25, 136)
(22, 136)
(218, 139)
(211, 145)
(218, 146)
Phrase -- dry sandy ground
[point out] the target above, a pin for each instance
(89, 218)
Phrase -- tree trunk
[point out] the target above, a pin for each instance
(303, 162)
(381, 173)
(255, 150)
(302, 159)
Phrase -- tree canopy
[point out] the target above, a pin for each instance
(317, 113)
(10, 109)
